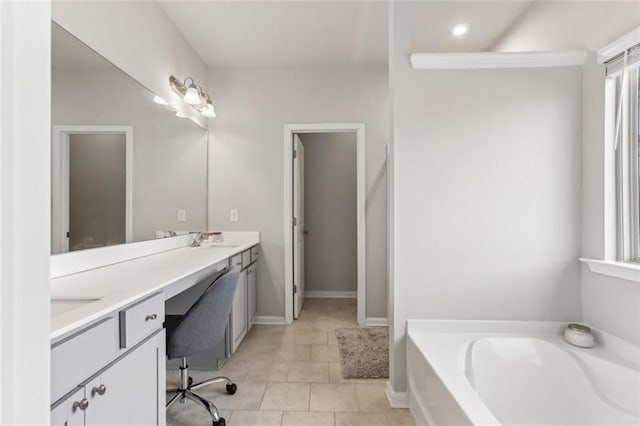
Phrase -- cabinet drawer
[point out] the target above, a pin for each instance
(236, 262)
(254, 254)
(141, 320)
(77, 357)
(246, 258)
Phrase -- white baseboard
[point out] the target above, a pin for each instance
(376, 322)
(264, 320)
(331, 294)
(396, 399)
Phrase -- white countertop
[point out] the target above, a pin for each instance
(121, 284)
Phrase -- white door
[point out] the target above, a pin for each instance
(298, 227)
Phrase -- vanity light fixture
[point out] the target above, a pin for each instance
(460, 30)
(193, 95)
(157, 99)
(208, 110)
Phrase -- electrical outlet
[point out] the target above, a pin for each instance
(182, 215)
(233, 215)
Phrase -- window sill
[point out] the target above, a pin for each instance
(622, 270)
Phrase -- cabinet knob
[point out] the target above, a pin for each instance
(100, 390)
(151, 317)
(82, 404)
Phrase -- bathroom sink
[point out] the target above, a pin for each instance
(221, 245)
(61, 305)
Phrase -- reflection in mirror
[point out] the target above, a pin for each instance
(124, 167)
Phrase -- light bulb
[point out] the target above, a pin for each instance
(157, 99)
(208, 110)
(192, 97)
(180, 114)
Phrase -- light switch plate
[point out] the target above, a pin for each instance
(182, 215)
(233, 215)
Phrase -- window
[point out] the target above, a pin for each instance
(622, 127)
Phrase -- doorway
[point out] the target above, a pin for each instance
(91, 187)
(297, 223)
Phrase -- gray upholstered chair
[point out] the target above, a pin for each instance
(200, 330)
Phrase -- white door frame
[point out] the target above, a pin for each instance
(289, 130)
(60, 178)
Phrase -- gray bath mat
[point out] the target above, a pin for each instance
(364, 352)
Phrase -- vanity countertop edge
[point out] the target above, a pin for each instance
(121, 284)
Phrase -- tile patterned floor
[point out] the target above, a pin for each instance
(290, 375)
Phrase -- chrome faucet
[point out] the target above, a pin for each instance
(199, 238)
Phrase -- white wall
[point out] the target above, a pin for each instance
(246, 158)
(330, 205)
(607, 303)
(486, 193)
(25, 68)
(137, 37)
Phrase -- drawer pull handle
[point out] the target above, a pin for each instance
(82, 404)
(100, 390)
(151, 317)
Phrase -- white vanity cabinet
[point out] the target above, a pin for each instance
(251, 295)
(239, 312)
(113, 371)
(68, 412)
(245, 300)
(128, 392)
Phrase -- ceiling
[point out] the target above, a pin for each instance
(283, 33)
(488, 21)
(301, 32)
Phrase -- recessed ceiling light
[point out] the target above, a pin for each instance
(460, 30)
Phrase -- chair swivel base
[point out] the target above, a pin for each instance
(186, 391)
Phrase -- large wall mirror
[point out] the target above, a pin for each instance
(124, 167)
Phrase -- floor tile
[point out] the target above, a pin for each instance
(310, 338)
(308, 372)
(189, 413)
(247, 397)
(255, 418)
(267, 371)
(372, 398)
(327, 353)
(333, 397)
(361, 419)
(400, 417)
(286, 396)
(307, 418)
(293, 352)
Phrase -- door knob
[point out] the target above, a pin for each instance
(82, 404)
(100, 390)
(305, 232)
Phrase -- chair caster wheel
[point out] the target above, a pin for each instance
(221, 422)
(190, 381)
(232, 388)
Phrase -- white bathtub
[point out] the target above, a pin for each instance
(518, 373)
